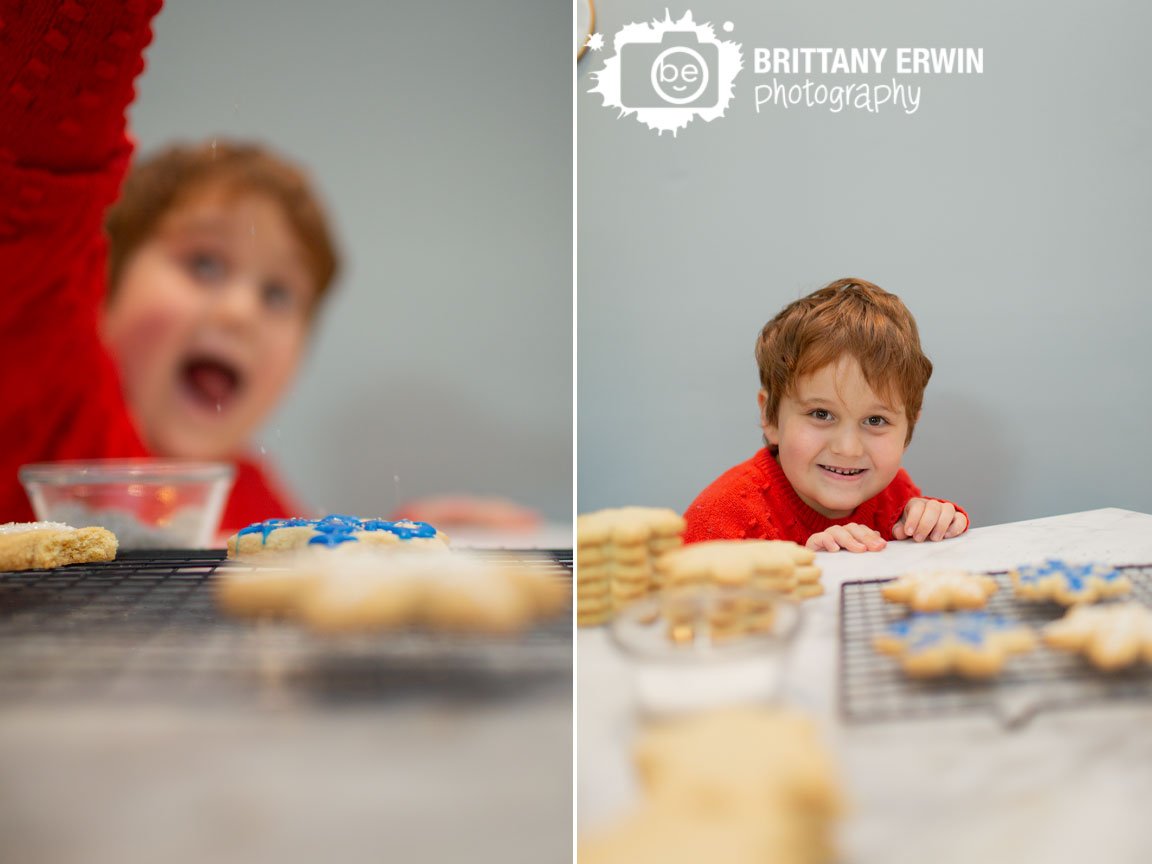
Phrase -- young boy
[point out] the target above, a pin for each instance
(218, 256)
(842, 380)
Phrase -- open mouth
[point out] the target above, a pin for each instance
(211, 382)
(843, 472)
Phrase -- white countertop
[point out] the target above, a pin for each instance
(1069, 786)
(438, 761)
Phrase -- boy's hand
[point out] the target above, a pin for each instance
(852, 537)
(470, 512)
(925, 519)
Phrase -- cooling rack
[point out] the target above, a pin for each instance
(146, 627)
(873, 688)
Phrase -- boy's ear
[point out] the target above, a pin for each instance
(769, 429)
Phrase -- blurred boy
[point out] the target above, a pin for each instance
(219, 255)
(842, 380)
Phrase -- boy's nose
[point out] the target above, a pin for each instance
(237, 304)
(847, 443)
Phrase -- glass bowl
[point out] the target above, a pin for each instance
(146, 503)
(707, 647)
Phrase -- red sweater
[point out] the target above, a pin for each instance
(66, 80)
(755, 501)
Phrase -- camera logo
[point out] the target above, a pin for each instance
(669, 72)
(676, 71)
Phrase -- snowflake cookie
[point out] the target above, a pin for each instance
(972, 644)
(941, 590)
(365, 588)
(1112, 636)
(288, 535)
(1065, 583)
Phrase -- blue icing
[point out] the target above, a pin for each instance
(337, 522)
(269, 525)
(923, 630)
(332, 538)
(1075, 576)
(338, 528)
(925, 639)
(405, 529)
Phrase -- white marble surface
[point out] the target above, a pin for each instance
(1070, 786)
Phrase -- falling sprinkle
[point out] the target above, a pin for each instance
(219, 407)
(263, 452)
(213, 149)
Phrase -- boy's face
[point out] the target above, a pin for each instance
(839, 442)
(209, 322)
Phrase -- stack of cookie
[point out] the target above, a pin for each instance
(717, 616)
(616, 554)
(740, 785)
(769, 565)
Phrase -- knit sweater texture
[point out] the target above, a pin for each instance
(754, 500)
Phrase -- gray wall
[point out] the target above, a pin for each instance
(1011, 213)
(441, 135)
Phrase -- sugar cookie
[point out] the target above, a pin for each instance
(770, 565)
(615, 554)
(366, 586)
(46, 545)
(737, 786)
(286, 535)
(1112, 636)
(941, 590)
(1065, 583)
(972, 644)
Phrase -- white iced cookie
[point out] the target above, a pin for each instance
(941, 590)
(45, 545)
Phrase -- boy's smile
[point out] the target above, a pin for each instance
(208, 323)
(839, 443)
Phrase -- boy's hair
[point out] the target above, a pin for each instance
(848, 317)
(163, 180)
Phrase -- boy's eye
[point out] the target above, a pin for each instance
(278, 296)
(820, 414)
(876, 420)
(206, 266)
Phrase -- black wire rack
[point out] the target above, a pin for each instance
(145, 626)
(873, 687)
